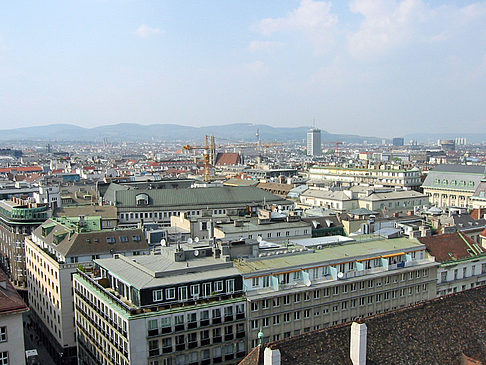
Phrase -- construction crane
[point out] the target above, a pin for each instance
(336, 145)
(209, 155)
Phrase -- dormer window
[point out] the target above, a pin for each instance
(142, 199)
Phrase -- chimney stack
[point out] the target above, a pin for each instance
(271, 357)
(357, 350)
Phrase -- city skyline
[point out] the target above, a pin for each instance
(360, 67)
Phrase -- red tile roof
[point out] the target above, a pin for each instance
(10, 300)
(228, 158)
(21, 169)
(453, 246)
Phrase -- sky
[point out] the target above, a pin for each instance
(369, 67)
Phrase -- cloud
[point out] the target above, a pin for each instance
(144, 31)
(389, 24)
(256, 46)
(256, 67)
(312, 18)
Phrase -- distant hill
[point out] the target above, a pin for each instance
(132, 132)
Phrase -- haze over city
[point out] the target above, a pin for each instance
(383, 68)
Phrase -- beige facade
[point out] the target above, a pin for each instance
(392, 177)
(334, 285)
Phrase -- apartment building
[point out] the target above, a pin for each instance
(379, 175)
(12, 348)
(462, 262)
(294, 290)
(56, 249)
(183, 306)
(252, 228)
(453, 185)
(369, 198)
(157, 206)
(18, 218)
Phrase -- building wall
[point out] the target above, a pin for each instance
(49, 292)
(463, 275)
(14, 343)
(371, 176)
(338, 301)
(155, 336)
(447, 198)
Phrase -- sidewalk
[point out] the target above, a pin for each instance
(31, 340)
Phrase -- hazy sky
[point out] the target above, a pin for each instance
(374, 67)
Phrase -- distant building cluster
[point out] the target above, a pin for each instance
(234, 252)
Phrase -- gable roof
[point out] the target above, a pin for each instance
(451, 247)
(10, 300)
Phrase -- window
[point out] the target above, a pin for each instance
(276, 319)
(170, 293)
(206, 289)
(183, 293)
(266, 281)
(157, 295)
(254, 306)
(218, 286)
(255, 282)
(265, 304)
(254, 324)
(266, 322)
(276, 302)
(195, 290)
(286, 300)
(230, 286)
(297, 315)
(3, 334)
(286, 317)
(296, 298)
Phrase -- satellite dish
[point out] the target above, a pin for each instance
(340, 275)
(189, 240)
(196, 239)
(196, 253)
(259, 239)
(163, 242)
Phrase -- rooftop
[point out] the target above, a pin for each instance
(452, 247)
(435, 332)
(362, 249)
(156, 270)
(10, 300)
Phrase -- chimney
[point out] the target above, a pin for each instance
(357, 350)
(271, 357)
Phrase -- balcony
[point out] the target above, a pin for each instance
(229, 337)
(167, 350)
(205, 342)
(154, 352)
(180, 347)
(228, 318)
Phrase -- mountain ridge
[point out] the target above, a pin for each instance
(132, 132)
